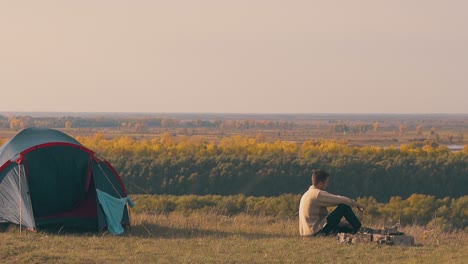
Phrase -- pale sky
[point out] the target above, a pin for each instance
(238, 56)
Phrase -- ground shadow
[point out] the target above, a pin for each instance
(157, 231)
(51, 230)
(143, 231)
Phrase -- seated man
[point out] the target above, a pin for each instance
(313, 214)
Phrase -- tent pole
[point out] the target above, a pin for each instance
(105, 174)
(20, 201)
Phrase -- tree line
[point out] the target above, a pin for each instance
(138, 123)
(252, 167)
(339, 124)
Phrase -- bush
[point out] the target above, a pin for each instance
(443, 214)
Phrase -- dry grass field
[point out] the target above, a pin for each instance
(212, 238)
(209, 238)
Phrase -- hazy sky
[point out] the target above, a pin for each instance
(237, 56)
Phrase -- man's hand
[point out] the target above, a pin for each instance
(360, 206)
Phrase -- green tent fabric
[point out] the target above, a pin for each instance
(113, 209)
(49, 178)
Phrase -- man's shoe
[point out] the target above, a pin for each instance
(366, 230)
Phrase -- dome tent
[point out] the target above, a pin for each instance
(49, 178)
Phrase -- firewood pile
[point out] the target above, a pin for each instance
(381, 237)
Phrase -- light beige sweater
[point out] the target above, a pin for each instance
(313, 209)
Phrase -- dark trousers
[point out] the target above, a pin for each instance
(334, 224)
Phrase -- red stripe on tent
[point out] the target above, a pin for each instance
(7, 163)
(52, 144)
(20, 159)
(90, 171)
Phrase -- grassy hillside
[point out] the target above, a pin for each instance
(209, 238)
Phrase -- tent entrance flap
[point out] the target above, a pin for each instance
(106, 180)
(58, 183)
(114, 210)
(14, 196)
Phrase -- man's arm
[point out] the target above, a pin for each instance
(327, 199)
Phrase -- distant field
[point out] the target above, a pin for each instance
(195, 238)
(358, 129)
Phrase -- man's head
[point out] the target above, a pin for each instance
(320, 179)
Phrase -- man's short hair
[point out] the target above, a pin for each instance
(319, 176)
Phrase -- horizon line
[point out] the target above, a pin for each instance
(229, 113)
